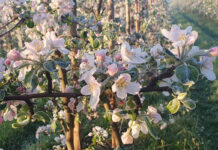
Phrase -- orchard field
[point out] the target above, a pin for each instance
(107, 74)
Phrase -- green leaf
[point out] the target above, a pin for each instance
(2, 106)
(28, 76)
(49, 66)
(23, 119)
(173, 106)
(177, 89)
(130, 103)
(171, 54)
(83, 34)
(53, 125)
(96, 44)
(41, 116)
(151, 130)
(61, 63)
(25, 64)
(187, 73)
(17, 125)
(34, 82)
(30, 23)
(31, 78)
(188, 103)
(194, 74)
(2, 94)
(134, 73)
(183, 73)
(181, 96)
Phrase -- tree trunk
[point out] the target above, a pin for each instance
(99, 8)
(77, 135)
(127, 17)
(115, 136)
(77, 125)
(69, 117)
(137, 25)
(110, 10)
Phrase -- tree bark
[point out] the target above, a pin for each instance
(137, 22)
(110, 18)
(69, 117)
(77, 125)
(99, 7)
(127, 17)
(115, 136)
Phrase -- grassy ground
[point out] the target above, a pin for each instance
(205, 92)
(192, 130)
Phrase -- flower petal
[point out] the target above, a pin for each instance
(94, 98)
(133, 88)
(63, 50)
(144, 128)
(86, 90)
(208, 73)
(121, 93)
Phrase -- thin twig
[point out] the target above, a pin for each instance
(31, 106)
(8, 23)
(167, 74)
(41, 95)
(157, 89)
(49, 86)
(20, 22)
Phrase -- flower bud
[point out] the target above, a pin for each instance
(214, 51)
(115, 116)
(20, 89)
(68, 89)
(13, 55)
(118, 57)
(127, 138)
(7, 62)
(112, 69)
(100, 57)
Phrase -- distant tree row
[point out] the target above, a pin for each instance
(207, 8)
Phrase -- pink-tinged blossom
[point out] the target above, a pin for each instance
(13, 55)
(68, 89)
(127, 138)
(180, 37)
(10, 113)
(137, 126)
(207, 67)
(118, 57)
(87, 67)
(7, 62)
(163, 126)
(112, 69)
(116, 115)
(51, 42)
(123, 85)
(213, 51)
(70, 105)
(153, 114)
(100, 56)
(134, 55)
(156, 50)
(92, 88)
(20, 89)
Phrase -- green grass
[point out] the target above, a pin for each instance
(13, 139)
